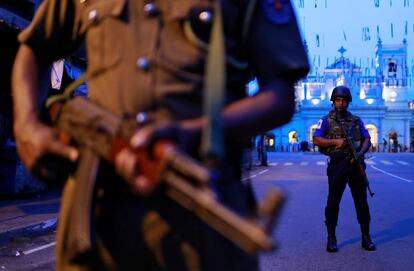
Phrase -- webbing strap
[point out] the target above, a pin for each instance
(251, 6)
(212, 140)
(68, 92)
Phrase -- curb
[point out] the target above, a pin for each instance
(33, 230)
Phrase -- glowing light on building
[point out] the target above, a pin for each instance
(315, 101)
(393, 95)
(370, 101)
(362, 94)
(308, 93)
(341, 82)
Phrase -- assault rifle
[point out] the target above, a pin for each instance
(99, 133)
(355, 157)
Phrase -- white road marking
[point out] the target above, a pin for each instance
(321, 163)
(288, 164)
(392, 175)
(273, 164)
(403, 163)
(386, 162)
(304, 163)
(30, 251)
(263, 171)
(255, 175)
(370, 162)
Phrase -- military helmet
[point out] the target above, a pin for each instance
(341, 91)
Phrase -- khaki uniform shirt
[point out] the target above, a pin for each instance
(149, 55)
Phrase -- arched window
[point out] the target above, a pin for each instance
(312, 131)
(293, 137)
(373, 132)
(393, 139)
(392, 68)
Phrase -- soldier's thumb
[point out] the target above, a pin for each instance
(63, 150)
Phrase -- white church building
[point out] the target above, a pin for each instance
(379, 97)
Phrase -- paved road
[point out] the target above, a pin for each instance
(29, 254)
(301, 231)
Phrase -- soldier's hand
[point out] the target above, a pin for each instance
(126, 162)
(340, 143)
(185, 135)
(126, 165)
(360, 155)
(35, 139)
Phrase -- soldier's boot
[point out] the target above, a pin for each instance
(331, 245)
(366, 241)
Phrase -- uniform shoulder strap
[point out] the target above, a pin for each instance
(355, 118)
(214, 84)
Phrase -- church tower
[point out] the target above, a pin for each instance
(391, 67)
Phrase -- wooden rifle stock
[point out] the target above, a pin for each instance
(356, 159)
(185, 180)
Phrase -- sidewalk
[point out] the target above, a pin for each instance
(28, 216)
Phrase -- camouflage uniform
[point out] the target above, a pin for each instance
(340, 171)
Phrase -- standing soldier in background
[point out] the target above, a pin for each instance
(342, 169)
(150, 56)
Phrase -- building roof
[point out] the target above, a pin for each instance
(342, 63)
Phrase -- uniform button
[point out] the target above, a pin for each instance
(205, 16)
(278, 5)
(151, 9)
(143, 63)
(142, 118)
(93, 15)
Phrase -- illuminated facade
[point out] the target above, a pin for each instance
(380, 98)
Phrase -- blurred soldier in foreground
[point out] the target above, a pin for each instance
(334, 135)
(149, 59)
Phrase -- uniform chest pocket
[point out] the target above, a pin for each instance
(103, 23)
(197, 26)
(180, 50)
(196, 18)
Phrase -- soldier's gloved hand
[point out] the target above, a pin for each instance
(339, 143)
(360, 156)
